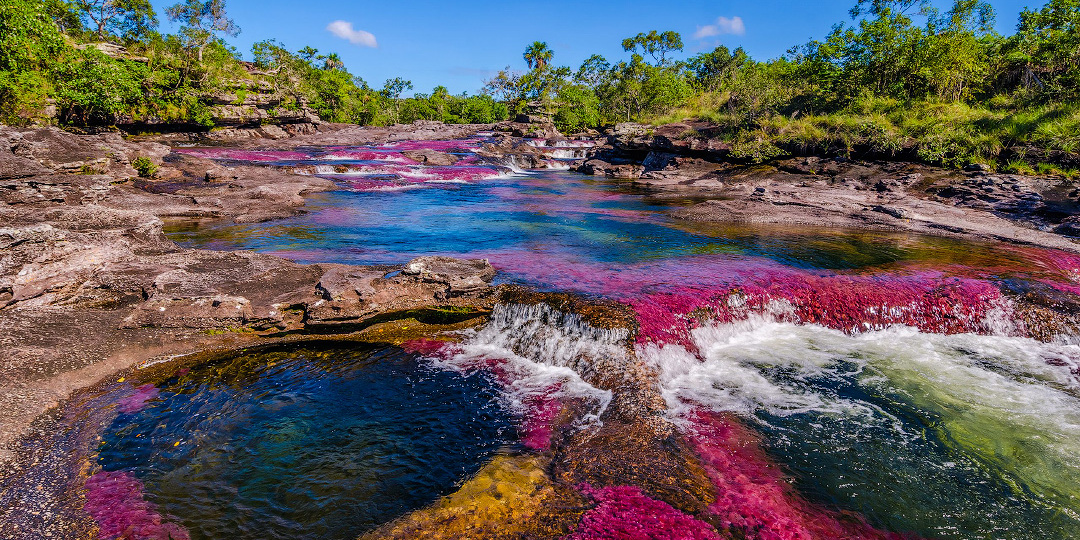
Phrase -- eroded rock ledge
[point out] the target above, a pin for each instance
(90, 285)
(693, 159)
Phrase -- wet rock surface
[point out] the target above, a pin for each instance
(90, 285)
(692, 158)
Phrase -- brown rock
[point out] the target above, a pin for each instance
(460, 276)
(431, 157)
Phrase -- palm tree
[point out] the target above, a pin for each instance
(538, 55)
(332, 62)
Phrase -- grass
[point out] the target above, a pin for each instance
(950, 134)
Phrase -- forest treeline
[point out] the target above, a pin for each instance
(53, 65)
(899, 78)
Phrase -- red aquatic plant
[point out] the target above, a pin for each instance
(754, 498)
(135, 402)
(851, 304)
(115, 500)
(626, 513)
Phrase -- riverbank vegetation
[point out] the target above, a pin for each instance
(103, 62)
(900, 79)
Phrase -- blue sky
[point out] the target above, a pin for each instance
(460, 44)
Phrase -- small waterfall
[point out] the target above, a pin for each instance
(544, 349)
(511, 163)
(556, 165)
(565, 153)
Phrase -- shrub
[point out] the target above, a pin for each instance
(145, 167)
(755, 150)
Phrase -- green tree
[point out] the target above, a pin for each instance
(541, 80)
(538, 55)
(391, 92)
(879, 55)
(333, 61)
(308, 53)
(30, 44)
(957, 48)
(202, 22)
(716, 69)
(94, 88)
(1047, 47)
(129, 19)
(578, 109)
(626, 93)
(655, 44)
(65, 14)
(29, 38)
(506, 87)
(594, 71)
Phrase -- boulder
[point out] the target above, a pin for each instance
(629, 129)
(431, 157)
(13, 166)
(1069, 227)
(658, 161)
(459, 275)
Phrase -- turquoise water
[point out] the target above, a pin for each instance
(564, 215)
(311, 442)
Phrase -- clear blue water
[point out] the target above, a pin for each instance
(563, 215)
(319, 442)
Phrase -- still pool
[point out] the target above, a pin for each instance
(320, 442)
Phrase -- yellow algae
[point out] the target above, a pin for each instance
(402, 330)
(508, 498)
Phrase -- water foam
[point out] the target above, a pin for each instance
(546, 352)
(1012, 404)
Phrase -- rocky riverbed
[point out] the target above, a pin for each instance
(83, 248)
(837, 191)
(91, 288)
(90, 285)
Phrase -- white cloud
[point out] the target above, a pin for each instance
(345, 30)
(722, 26)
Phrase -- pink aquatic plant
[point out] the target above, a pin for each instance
(537, 426)
(135, 402)
(430, 348)
(438, 145)
(755, 499)
(539, 407)
(671, 297)
(244, 155)
(360, 154)
(626, 513)
(848, 303)
(461, 174)
(115, 500)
